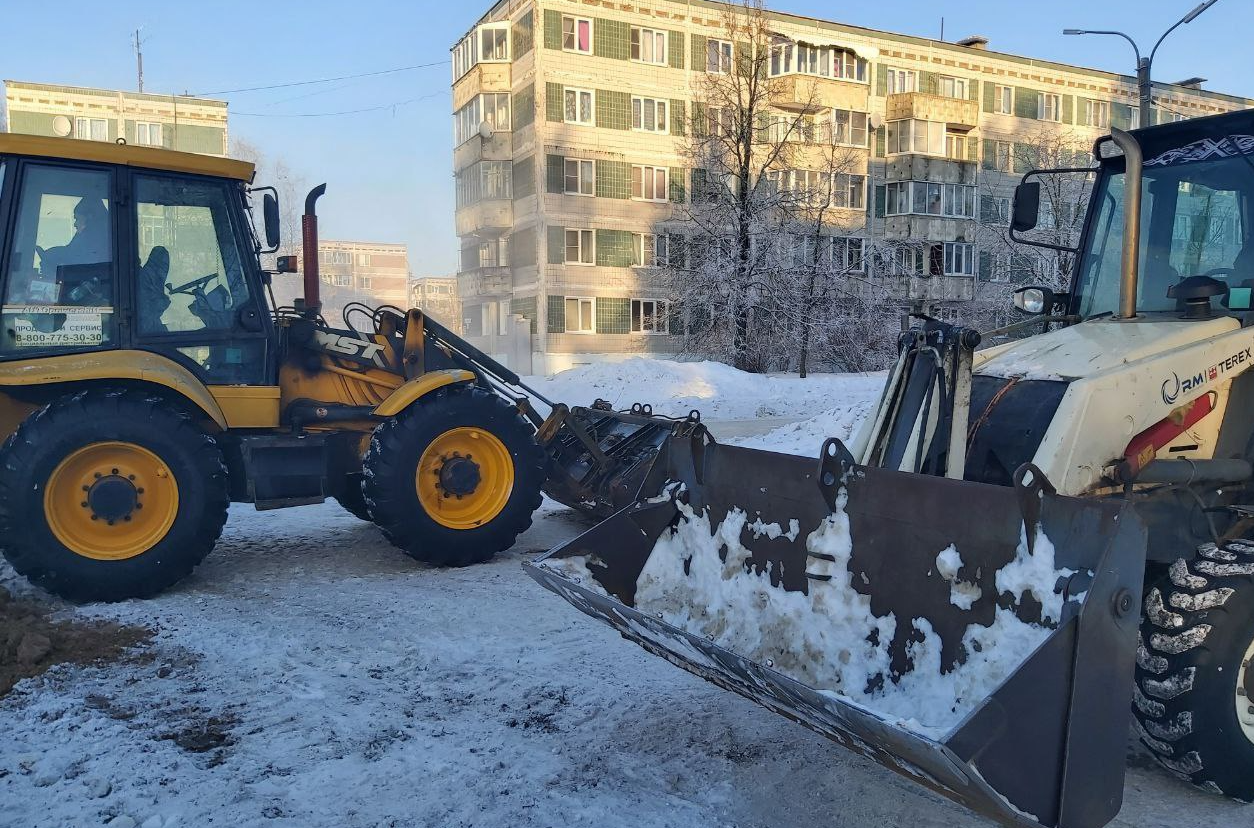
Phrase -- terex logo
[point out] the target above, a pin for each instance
(1174, 387)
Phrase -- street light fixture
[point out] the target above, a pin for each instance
(1145, 64)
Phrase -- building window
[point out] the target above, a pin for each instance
(842, 254)
(926, 137)
(1166, 116)
(718, 57)
(648, 45)
(1003, 100)
(1050, 107)
(580, 176)
(849, 128)
(959, 259)
(579, 106)
(649, 250)
(498, 179)
(363, 282)
(91, 129)
(577, 34)
(580, 317)
(465, 55)
(929, 198)
(1003, 155)
(956, 146)
(849, 191)
(995, 210)
(466, 121)
(901, 81)
(952, 87)
(649, 316)
(496, 110)
(718, 120)
(649, 115)
(148, 134)
(494, 43)
(580, 247)
(342, 280)
(1097, 114)
(824, 61)
(650, 183)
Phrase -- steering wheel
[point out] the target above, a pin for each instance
(193, 286)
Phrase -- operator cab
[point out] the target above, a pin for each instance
(1197, 211)
(112, 246)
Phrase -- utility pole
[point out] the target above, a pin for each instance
(139, 59)
(1145, 86)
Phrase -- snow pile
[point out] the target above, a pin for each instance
(829, 639)
(1035, 573)
(853, 404)
(718, 391)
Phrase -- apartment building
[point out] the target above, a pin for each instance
(171, 121)
(437, 296)
(569, 126)
(352, 271)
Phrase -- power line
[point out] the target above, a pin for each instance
(343, 112)
(320, 80)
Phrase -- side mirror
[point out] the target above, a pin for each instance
(270, 212)
(286, 264)
(1027, 209)
(1034, 300)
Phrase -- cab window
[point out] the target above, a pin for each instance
(59, 290)
(190, 275)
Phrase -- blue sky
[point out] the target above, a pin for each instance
(389, 171)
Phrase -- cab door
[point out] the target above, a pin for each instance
(60, 264)
(193, 280)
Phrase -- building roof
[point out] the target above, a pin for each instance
(130, 155)
(186, 100)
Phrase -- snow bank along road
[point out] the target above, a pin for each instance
(310, 675)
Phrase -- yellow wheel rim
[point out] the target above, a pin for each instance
(465, 477)
(111, 501)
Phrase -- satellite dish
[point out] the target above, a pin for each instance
(486, 131)
(61, 126)
(877, 120)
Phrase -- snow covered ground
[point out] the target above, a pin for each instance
(310, 675)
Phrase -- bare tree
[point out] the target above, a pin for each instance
(773, 260)
(1064, 201)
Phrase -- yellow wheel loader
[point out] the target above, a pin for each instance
(1022, 544)
(145, 383)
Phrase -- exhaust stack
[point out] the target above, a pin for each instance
(309, 248)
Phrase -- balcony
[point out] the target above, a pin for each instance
(953, 111)
(487, 219)
(913, 226)
(810, 93)
(483, 77)
(919, 167)
(497, 148)
(934, 288)
(484, 281)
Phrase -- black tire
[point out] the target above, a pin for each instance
(392, 462)
(66, 425)
(1198, 626)
(352, 498)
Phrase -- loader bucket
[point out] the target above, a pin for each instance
(977, 639)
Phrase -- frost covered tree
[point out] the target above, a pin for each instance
(1006, 264)
(770, 258)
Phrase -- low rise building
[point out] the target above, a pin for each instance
(177, 122)
(437, 297)
(353, 271)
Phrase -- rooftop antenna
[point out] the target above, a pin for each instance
(942, 30)
(138, 45)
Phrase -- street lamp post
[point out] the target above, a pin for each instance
(1145, 64)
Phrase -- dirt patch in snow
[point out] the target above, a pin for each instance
(31, 642)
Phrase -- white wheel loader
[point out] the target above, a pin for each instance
(1023, 543)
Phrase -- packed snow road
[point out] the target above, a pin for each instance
(309, 674)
